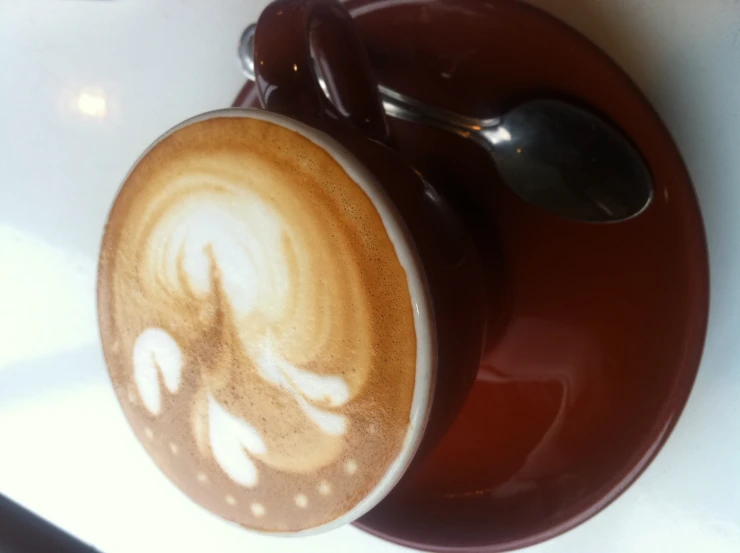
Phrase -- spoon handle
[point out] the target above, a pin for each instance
(410, 109)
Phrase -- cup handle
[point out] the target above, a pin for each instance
(285, 71)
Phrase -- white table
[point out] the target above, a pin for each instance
(85, 86)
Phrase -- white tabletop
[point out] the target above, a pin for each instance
(85, 86)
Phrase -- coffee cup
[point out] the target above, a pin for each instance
(290, 314)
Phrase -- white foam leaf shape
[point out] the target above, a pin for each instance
(243, 236)
(333, 424)
(300, 383)
(156, 352)
(231, 438)
(318, 387)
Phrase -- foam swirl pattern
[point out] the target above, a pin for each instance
(257, 323)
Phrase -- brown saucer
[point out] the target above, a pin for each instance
(600, 327)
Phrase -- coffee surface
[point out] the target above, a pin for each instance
(257, 323)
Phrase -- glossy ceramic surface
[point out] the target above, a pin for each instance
(91, 98)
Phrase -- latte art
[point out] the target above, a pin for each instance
(298, 317)
(257, 323)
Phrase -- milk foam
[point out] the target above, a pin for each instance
(254, 290)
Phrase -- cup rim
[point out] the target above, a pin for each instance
(422, 306)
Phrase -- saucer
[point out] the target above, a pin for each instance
(597, 330)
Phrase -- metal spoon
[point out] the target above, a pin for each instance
(551, 153)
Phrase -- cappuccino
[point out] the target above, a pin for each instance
(264, 322)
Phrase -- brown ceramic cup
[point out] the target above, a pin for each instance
(178, 319)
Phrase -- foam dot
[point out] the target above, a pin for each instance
(173, 448)
(257, 509)
(230, 500)
(324, 488)
(350, 466)
(131, 396)
(202, 477)
(301, 501)
(372, 429)
(148, 433)
(116, 347)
